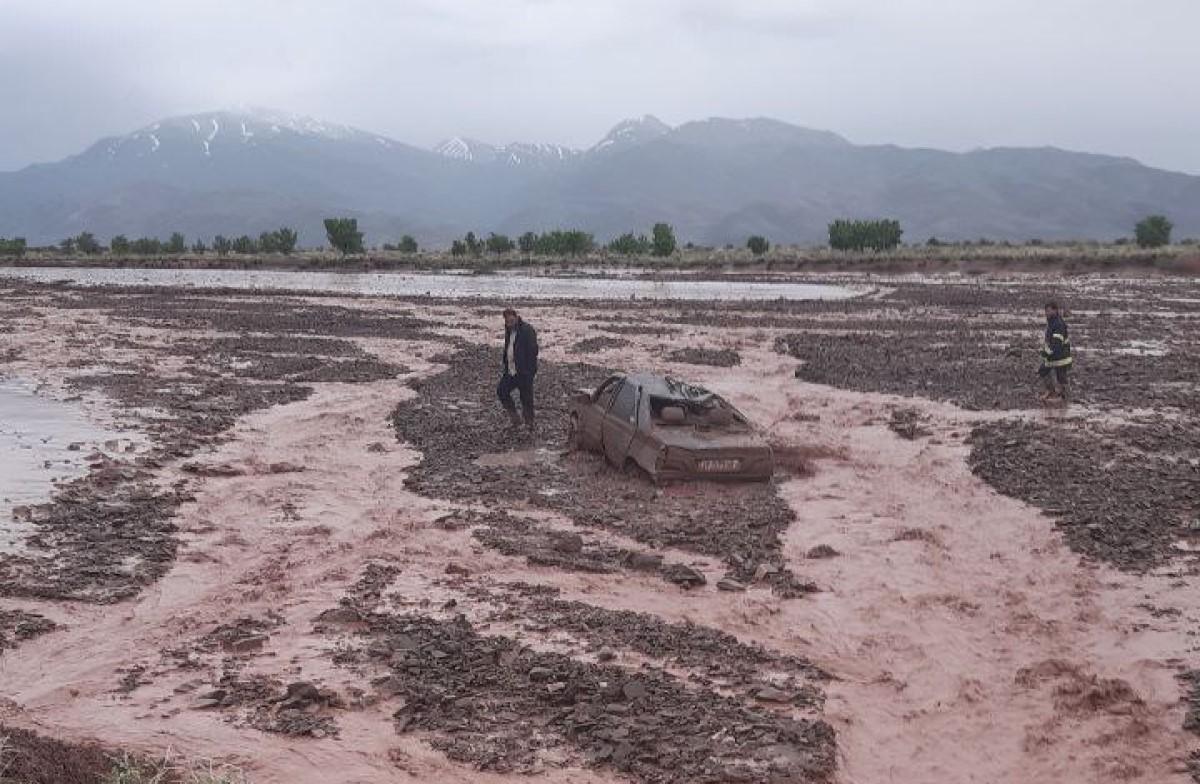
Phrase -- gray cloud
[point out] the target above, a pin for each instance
(1099, 75)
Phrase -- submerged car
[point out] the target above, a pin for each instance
(668, 428)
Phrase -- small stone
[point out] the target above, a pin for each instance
(540, 674)
(249, 644)
(570, 543)
(684, 576)
(763, 571)
(634, 690)
(772, 694)
(340, 615)
(729, 584)
(205, 703)
(648, 562)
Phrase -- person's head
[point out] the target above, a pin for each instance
(1051, 309)
(510, 318)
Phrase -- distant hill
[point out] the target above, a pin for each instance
(716, 181)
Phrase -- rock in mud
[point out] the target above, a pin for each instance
(729, 584)
(684, 576)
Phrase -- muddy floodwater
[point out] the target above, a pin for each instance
(41, 440)
(438, 285)
(330, 558)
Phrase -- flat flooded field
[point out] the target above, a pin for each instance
(322, 550)
(435, 285)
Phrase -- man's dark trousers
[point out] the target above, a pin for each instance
(523, 383)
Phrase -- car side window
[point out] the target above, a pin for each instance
(609, 388)
(624, 407)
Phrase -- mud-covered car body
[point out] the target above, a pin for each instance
(669, 428)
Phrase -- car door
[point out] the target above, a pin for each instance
(620, 425)
(593, 416)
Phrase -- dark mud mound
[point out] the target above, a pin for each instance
(916, 366)
(712, 656)
(16, 626)
(591, 345)
(104, 535)
(712, 357)
(966, 370)
(230, 312)
(496, 704)
(28, 758)
(1124, 494)
(542, 545)
(295, 358)
(456, 420)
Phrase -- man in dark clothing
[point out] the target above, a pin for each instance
(1056, 355)
(520, 366)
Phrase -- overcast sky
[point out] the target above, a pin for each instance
(1113, 76)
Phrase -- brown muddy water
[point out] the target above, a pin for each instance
(42, 441)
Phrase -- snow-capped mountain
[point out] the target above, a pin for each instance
(517, 154)
(631, 133)
(716, 180)
(212, 132)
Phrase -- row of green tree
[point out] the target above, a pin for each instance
(844, 234)
(282, 240)
(864, 234)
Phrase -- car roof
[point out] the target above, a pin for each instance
(665, 386)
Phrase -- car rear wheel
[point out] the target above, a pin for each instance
(634, 470)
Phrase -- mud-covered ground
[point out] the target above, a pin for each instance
(326, 551)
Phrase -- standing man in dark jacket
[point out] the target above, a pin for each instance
(520, 366)
(1056, 355)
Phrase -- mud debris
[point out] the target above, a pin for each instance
(712, 357)
(29, 758)
(1112, 498)
(16, 626)
(592, 345)
(499, 706)
(298, 709)
(909, 423)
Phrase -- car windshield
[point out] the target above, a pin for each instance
(708, 411)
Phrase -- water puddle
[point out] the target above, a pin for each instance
(516, 287)
(41, 440)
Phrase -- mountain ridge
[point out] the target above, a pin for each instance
(716, 180)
